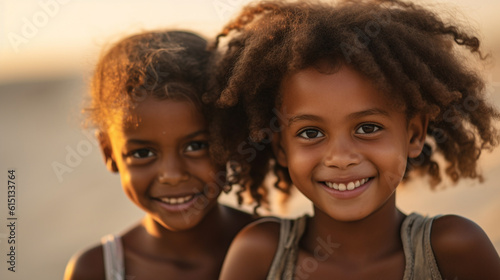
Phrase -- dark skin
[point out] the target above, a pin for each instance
(166, 170)
(341, 130)
(360, 254)
(377, 254)
(195, 253)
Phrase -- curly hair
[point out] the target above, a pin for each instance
(165, 64)
(406, 50)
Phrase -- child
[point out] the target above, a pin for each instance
(352, 98)
(146, 104)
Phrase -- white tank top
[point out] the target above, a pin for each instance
(112, 248)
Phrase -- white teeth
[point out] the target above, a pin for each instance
(349, 186)
(178, 200)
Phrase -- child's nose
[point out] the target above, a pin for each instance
(172, 171)
(341, 153)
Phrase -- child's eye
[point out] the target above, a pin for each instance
(142, 153)
(196, 146)
(310, 133)
(367, 128)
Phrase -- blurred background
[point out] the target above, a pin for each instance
(65, 198)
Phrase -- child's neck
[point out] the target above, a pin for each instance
(372, 237)
(202, 237)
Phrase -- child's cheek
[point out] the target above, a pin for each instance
(391, 163)
(301, 163)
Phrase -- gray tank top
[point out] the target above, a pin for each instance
(415, 235)
(113, 257)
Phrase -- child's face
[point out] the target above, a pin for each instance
(343, 142)
(164, 163)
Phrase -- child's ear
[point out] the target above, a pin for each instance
(278, 150)
(106, 151)
(417, 131)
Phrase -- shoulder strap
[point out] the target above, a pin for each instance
(278, 263)
(113, 257)
(416, 238)
(283, 265)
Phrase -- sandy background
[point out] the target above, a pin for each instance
(44, 71)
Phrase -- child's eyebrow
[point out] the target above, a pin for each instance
(369, 112)
(355, 115)
(148, 142)
(196, 133)
(139, 142)
(298, 118)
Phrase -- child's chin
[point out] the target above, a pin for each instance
(178, 225)
(183, 220)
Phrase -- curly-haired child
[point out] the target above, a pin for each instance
(153, 131)
(347, 100)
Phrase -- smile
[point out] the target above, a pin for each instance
(177, 200)
(349, 186)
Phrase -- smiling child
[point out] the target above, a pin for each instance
(153, 131)
(347, 99)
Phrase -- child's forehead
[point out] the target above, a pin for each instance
(152, 103)
(154, 111)
(341, 81)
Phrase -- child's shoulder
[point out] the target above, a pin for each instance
(267, 229)
(462, 249)
(88, 264)
(252, 250)
(264, 231)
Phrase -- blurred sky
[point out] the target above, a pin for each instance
(72, 32)
(47, 51)
(60, 35)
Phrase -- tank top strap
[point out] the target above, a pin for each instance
(113, 257)
(283, 265)
(419, 257)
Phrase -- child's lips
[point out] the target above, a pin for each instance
(177, 199)
(346, 185)
(347, 189)
(178, 203)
